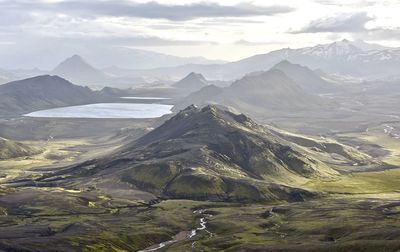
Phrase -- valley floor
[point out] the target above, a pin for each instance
(51, 219)
(358, 211)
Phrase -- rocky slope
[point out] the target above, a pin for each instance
(204, 154)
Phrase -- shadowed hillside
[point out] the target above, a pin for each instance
(43, 92)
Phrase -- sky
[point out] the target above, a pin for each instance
(224, 29)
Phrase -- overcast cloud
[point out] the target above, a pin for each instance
(216, 29)
(181, 12)
(354, 22)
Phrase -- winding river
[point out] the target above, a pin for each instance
(182, 236)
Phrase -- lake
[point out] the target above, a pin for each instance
(106, 110)
(144, 98)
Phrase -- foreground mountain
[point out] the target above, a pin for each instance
(43, 92)
(260, 94)
(77, 70)
(205, 154)
(10, 149)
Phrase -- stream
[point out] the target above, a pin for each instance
(182, 236)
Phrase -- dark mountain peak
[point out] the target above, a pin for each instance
(190, 109)
(211, 112)
(211, 154)
(204, 122)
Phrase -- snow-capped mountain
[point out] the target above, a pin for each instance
(329, 51)
(352, 58)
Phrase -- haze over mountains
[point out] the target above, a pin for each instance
(358, 59)
(101, 56)
(77, 70)
(307, 79)
(343, 58)
(201, 125)
(265, 93)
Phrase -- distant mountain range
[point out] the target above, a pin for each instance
(267, 93)
(43, 92)
(101, 56)
(345, 57)
(309, 80)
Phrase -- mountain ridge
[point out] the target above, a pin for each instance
(341, 57)
(43, 92)
(205, 154)
(259, 95)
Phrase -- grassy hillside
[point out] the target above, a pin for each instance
(10, 149)
(212, 154)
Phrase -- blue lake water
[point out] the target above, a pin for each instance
(106, 110)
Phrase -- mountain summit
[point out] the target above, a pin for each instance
(259, 94)
(192, 82)
(77, 70)
(209, 154)
(309, 80)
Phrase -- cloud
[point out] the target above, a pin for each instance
(147, 41)
(150, 10)
(380, 33)
(340, 23)
(357, 3)
(244, 42)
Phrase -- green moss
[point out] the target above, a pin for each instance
(10, 149)
(152, 176)
(196, 186)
